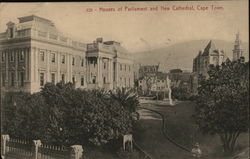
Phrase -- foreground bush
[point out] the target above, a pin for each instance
(62, 114)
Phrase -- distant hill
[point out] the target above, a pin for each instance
(181, 55)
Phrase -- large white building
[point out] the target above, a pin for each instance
(34, 51)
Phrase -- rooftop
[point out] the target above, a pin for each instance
(35, 18)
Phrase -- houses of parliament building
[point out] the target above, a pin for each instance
(34, 51)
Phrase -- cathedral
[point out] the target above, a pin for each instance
(215, 56)
(210, 55)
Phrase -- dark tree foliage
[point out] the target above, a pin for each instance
(180, 93)
(128, 98)
(24, 117)
(223, 102)
(62, 114)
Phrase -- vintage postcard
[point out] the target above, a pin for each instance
(125, 80)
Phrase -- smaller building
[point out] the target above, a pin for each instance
(187, 81)
(152, 80)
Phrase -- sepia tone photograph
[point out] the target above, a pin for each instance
(125, 80)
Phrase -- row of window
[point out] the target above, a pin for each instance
(52, 36)
(20, 56)
(53, 58)
(20, 78)
(125, 67)
(53, 79)
(124, 81)
(23, 33)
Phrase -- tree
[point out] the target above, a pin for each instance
(223, 102)
(61, 114)
(24, 117)
(180, 93)
(128, 98)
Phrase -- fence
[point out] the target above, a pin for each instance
(21, 149)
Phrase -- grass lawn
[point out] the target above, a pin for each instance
(181, 128)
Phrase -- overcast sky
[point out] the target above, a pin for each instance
(138, 30)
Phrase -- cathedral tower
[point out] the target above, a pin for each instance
(237, 51)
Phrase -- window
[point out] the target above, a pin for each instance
(42, 34)
(42, 56)
(53, 36)
(125, 81)
(53, 57)
(63, 59)
(104, 80)
(21, 55)
(12, 56)
(3, 56)
(129, 82)
(41, 79)
(82, 64)
(104, 65)
(129, 68)
(73, 61)
(12, 79)
(125, 67)
(73, 79)
(22, 78)
(53, 78)
(63, 78)
(3, 79)
(120, 66)
(11, 32)
(94, 79)
(82, 81)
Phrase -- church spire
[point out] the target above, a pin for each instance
(237, 51)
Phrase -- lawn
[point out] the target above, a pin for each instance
(181, 128)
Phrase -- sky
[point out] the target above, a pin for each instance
(138, 30)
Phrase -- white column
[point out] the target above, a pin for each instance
(37, 144)
(58, 67)
(48, 65)
(117, 74)
(100, 83)
(77, 151)
(7, 67)
(111, 73)
(31, 64)
(5, 139)
(16, 51)
(70, 68)
(36, 65)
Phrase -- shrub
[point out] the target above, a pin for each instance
(62, 114)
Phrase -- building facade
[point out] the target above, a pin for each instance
(187, 81)
(152, 80)
(34, 52)
(210, 55)
(109, 65)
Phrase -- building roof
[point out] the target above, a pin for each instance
(210, 48)
(35, 18)
(149, 68)
(184, 77)
(161, 75)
